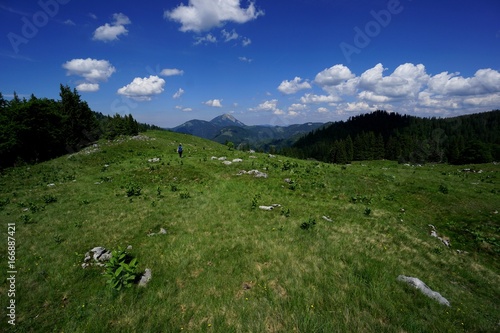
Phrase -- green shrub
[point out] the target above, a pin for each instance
(285, 212)
(308, 225)
(49, 199)
(132, 189)
(255, 201)
(443, 189)
(121, 270)
(361, 199)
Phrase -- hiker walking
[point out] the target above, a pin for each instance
(179, 150)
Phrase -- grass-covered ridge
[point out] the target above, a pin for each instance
(225, 265)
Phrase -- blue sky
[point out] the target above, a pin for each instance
(265, 62)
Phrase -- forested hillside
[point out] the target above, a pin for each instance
(382, 135)
(38, 129)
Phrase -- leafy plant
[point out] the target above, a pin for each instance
(367, 211)
(121, 270)
(287, 165)
(308, 225)
(255, 201)
(49, 198)
(285, 212)
(361, 199)
(443, 189)
(26, 219)
(132, 189)
(184, 195)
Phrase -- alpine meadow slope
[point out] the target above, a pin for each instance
(326, 260)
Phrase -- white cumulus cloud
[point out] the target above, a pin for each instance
(297, 107)
(88, 87)
(216, 103)
(92, 70)
(109, 32)
(269, 106)
(315, 99)
(333, 76)
(291, 87)
(142, 89)
(484, 81)
(203, 15)
(407, 89)
(171, 72)
(406, 81)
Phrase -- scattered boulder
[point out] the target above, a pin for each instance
(257, 174)
(237, 160)
(418, 284)
(443, 239)
(145, 278)
(327, 218)
(162, 232)
(223, 158)
(99, 255)
(227, 162)
(154, 160)
(269, 207)
(141, 137)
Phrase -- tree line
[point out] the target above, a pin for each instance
(382, 135)
(37, 129)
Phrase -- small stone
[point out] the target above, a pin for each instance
(145, 278)
(418, 284)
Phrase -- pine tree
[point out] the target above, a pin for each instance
(79, 120)
(349, 149)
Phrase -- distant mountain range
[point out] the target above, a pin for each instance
(226, 128)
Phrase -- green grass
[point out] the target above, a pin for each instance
(227, 266)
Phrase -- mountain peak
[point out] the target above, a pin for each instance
(226, 120)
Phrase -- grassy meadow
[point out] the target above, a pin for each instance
(225, 265)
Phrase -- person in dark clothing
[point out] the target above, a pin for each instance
(179, 150)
